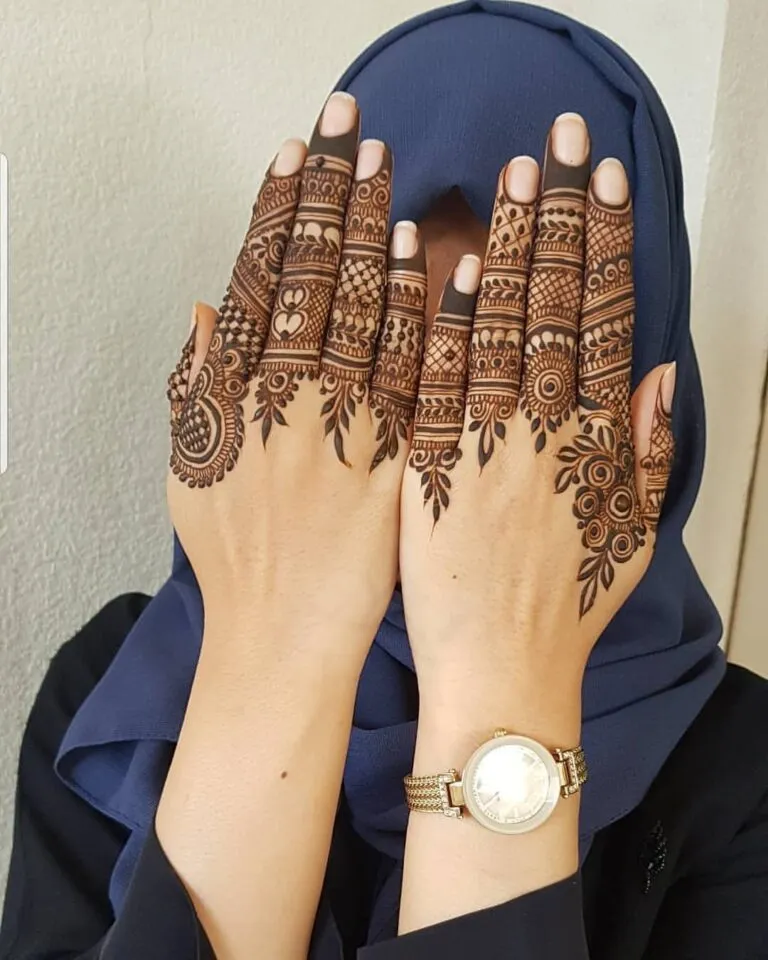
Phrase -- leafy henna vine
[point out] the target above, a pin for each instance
(395, 381)
(307, 286)
(345, 365)
(495, 351)
(207, 418)
(548, 395)
(440, 406)
(658, 463)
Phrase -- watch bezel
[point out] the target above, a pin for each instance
(553, 792)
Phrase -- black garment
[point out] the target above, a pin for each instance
(683, 877)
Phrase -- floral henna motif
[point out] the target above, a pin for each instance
(440, 407)
(395, 381)
(548, 395)
(207, 435)
(600, 462)
(207, 419)
(310, 268)
(358, 304)
(495, 350)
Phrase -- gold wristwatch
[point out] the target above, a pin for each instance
(511, 784)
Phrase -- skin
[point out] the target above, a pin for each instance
(493, 620)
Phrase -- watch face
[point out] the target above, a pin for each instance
(511, 784)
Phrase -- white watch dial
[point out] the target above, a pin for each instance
(511, 784)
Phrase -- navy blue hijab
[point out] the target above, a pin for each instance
(456, 93)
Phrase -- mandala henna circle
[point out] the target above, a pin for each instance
(208, 436)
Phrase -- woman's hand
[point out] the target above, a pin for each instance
(290, 419)
(290, 444)
(534, 485)
(530, 503)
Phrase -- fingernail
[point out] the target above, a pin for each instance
(610, 183)
(405, 240)
(667, 388)
(466, 276)
(290, 158)
(339, 115)
(370, 157)
(193, 319)
(522, 179)
(570, 139)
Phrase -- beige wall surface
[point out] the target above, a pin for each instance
(136, 135)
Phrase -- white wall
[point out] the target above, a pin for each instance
(137, 135)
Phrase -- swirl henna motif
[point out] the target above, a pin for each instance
(440, 406)
(395, 381)
(310, 268)
(548, 394)
(207, 419)
(358, 304)
(496, 346)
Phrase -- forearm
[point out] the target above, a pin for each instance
(247, 812)
(454, 867)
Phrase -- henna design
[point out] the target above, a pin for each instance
(600, 462)
(207, 436)
(395, 381)
(207, 419)
(358, 304)
(307, 285)
(658, 463)
(495, 351)
(548, 392)
(440, 405)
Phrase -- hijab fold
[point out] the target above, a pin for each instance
(456, 92)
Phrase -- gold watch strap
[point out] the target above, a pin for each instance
(443, 792)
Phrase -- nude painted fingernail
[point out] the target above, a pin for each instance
(405, 240)
(570, 139)
(610, 183)
(667, 388)
(466, 276)
(193, 318)
(339, 115)
(370, 157)
(290, 158)
(522, 179)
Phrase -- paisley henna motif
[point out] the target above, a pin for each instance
(207, 418)
(308, 282)
(495, 352)
(440, 406)
(395, 381)
(358, 305)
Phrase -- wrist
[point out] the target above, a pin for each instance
(456, 716)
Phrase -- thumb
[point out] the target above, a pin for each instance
(654, 443)
(204, 318)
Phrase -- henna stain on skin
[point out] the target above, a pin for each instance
(358, 305)
(308, 283)
(395, 382)
(207, 420)
(497, 334)
(435, 448)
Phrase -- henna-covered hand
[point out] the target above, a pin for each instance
(535, 483)
(291, 410)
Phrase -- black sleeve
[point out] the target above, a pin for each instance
(720, 910)
(547, 924)
(56, 903)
